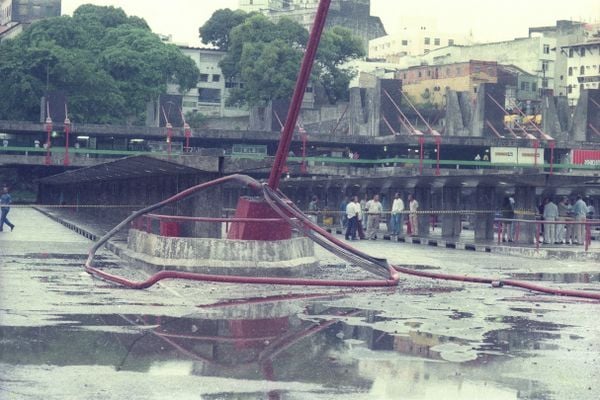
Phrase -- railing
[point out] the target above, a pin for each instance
(169, 225)
(360, 163)
(505, 223)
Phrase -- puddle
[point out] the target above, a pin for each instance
(307, 342)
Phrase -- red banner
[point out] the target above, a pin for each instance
(585, 157)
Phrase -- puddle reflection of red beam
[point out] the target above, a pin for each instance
(271, 299)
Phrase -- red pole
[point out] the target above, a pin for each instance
(188, 133)
(301, 83)
(48, 131)
(66, 161)
(536, 145)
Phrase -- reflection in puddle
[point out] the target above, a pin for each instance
(300, 340)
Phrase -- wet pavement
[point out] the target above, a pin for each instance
(64, 335)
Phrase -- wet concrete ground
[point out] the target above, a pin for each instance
(64, 335)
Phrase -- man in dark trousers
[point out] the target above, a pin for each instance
(5, 201)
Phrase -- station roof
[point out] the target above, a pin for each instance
(125, 168)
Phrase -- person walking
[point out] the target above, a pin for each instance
(397, 219)
(352, 214)
(580, 211)
(374, 210)
(413, 218)
(5, 202)
(550, 215)
(508, 213)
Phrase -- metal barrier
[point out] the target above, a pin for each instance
(169, 224)
(502, 222)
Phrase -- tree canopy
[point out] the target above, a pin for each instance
(265, 57)
(216, 30)
(108, 64)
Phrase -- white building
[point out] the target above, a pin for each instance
(414, 36)
(211, 94)
(583, 67)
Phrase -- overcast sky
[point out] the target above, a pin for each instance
(487, 20)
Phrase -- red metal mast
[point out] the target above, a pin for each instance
(301, 83)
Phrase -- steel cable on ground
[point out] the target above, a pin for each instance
(247, 181)
(305, 225)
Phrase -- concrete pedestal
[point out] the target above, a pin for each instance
(221, 256)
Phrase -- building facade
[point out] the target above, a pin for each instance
(583, 68)
(428, 84)
(415, 36)
(210, 95)
(16, 15)
(352, 14)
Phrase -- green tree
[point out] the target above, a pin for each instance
(108, 64)
(216, 30)
(337, 47)
(266, 56)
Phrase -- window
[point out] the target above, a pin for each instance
(544, 65)
(420, 74)
(570, 73)
(569, 89)
(534, 87)
(450, 42)
(229, 84)
(545, 83)
(405, 43)
(570, 53)
(524, 86)
(582, 70)
(546, 49)
(428, 73)
(582, 50)
(436, 41)
(207, 95)
(474, 89)
(447, 72)
(203, 77)
(404, 75)
(427, 40)
(216, 78)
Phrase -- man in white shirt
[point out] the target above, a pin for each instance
(397, 219)
(413, 208)
(374, 210)
(550, 215)
(352, 213)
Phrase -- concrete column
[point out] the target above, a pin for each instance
(485, 199)
(423, 196)
(525, 208)
(451, 225)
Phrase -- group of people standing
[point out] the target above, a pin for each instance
(574, 214)
(360, 213)
(568, 233)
